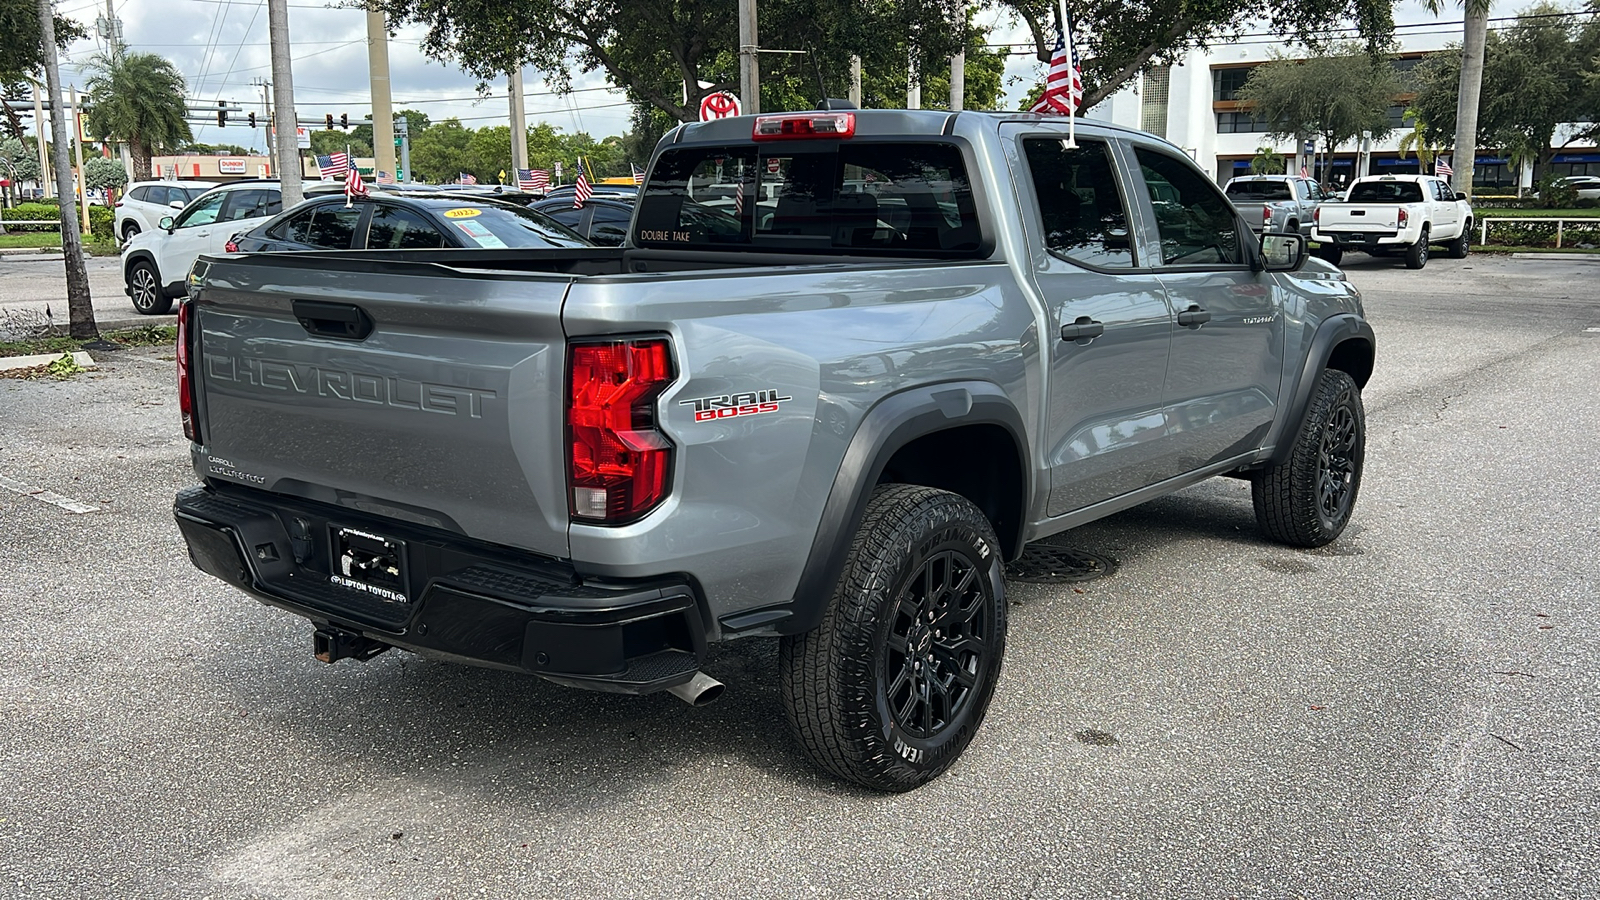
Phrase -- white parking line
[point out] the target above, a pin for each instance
(50, 497)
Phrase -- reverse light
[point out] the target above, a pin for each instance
(808, 125)
(186, 380)
(618, 461)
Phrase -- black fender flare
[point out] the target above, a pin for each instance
(889, 425)
(1333, 331)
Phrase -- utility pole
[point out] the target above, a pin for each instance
(382, 109)
(266, 114)
(855, 81)
(913, 82)
(46, 183)
(749, 59)
(288, 159)
(83, 176)
(519, 126)
(80, 309)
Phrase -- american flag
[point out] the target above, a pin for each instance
(1063, 86)
(1442, 169)
(581, 189)
(535, 181)
(638, 174)
(385, 178)
(337, 162)
(353, 185)
(466, 178)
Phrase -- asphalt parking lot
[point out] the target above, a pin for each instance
(31, 283)
(1412, 711)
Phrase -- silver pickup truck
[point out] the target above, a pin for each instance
(846, 365)
(1281, 203)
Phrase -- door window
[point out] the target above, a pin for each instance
(203, 213)
(394, 228)
(610, 226)
(252, 204)
(1080, 206)
(1195, 223)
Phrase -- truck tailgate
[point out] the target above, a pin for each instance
(1359, 217)
(447, 413)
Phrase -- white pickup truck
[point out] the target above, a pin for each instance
(1389, 214)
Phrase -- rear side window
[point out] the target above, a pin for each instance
(252, 204)
(1257, 191)
(609, 226)
(401, 229)
(878, 198)
(1084, 217)
(1196, 224)
(144, 194)
(1386, 192)
(330, 226)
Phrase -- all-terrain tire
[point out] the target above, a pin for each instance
(144, 289)
(1459, 247)
(1417, 254)
(889, 690)
(1331, 252)
(1306, 499)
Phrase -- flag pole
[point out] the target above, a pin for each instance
(349, 162)
(1072, 106)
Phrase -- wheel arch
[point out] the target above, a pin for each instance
(1344, 342)
(926, 435)
(140, 256)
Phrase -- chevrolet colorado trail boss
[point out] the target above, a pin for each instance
(846, 364)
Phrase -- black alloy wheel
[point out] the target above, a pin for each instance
(1337, 463)
(1306, 498)
(937, 646)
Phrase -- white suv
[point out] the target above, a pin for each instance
(145, 202)
(156, 262)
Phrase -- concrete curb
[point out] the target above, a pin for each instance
(1586, 257)
(13, 363)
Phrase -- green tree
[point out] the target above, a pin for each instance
(438, 153)
(137, 98)
(1336, 96)
(19, 161)
(1120, 40)
(324, 142)
(1267, 161)
(1535, 77)
(1418, 139)
(100, 173)
(22, 52)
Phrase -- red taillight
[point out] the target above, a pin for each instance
(618, 461)
(810, 125)
(186, 381)
(1401, 218)
(1316, 215)
(232, 246)
(1266, 215)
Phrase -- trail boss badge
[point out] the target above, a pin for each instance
(727, 406)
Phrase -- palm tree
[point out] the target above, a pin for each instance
(137, 98)
(1474, 34)
(1417, 138)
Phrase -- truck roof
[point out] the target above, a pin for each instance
(889, 122)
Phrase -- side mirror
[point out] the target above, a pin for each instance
(1460, 195)
(1283, 252)
(176, 204)
(165, 224)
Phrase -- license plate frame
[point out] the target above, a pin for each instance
(370, 563)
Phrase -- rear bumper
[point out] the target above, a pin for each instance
(462, 601)
(1358, 240)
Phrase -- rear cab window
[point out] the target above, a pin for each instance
(886, 198)
(1386, 192)
(1258, 191)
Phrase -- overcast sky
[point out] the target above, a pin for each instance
(220, 46)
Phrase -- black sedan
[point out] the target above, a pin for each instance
(393, 222)
(602, 220)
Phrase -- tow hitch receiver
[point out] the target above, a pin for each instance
(333, 644)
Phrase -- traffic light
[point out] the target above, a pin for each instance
(344, 121)
(222, 113)
(252, 120)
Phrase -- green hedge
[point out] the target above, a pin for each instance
(1542, 234)
(101, 218)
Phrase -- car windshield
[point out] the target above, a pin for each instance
(1386, 192)
(879, 198)
(497, 226)
(1259, 190)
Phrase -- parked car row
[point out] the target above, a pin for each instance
(248, 216)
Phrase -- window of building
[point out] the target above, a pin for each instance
(1153, 100)
(1225, 83)
(1241, 123)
